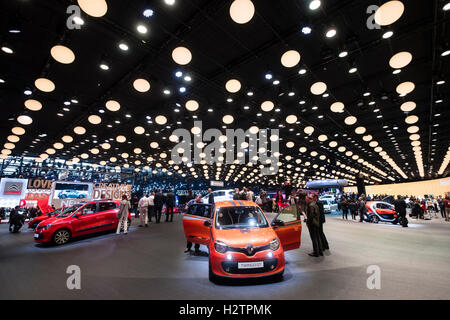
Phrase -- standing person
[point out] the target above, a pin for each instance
(322, 237)
(353, 206)
(447, 208)
(344, 206)
(198, 199)
(143, 211)
(362, 208)
(313, 223)
(124, 209)
(151, 206)
(400, 208)
(210, 196)
(243, 194)
(278, 201)
(170, 203)
(236, 194)
(441, 205)
(159, 202)
(250, 195)
(134, 205)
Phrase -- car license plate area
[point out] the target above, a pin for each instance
(250, 265)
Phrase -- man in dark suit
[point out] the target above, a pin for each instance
(322, 236)
(400, 208)
(170, 203)
(159, 202)
(210, 196)
(313, 223)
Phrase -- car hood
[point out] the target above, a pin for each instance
(243, 237)
(52, 220)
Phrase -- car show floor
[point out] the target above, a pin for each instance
(149, 263)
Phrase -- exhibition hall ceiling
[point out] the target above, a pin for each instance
(109, 86)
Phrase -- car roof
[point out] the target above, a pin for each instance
(235, 203)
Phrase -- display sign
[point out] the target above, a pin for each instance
(112, 191)
(39, 184)
(11, 191)
(327, 183)
(64, 194)
(216, 183)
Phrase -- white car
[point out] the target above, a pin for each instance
(328, 197)
(220, 195)
(328, 206)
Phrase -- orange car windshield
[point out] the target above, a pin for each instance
(240, 217)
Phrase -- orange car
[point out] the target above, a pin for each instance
(242, 242)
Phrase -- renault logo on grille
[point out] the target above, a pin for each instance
(250, 249)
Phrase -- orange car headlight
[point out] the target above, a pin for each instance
(220, 247)
(274, 244)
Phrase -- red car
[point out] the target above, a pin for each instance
(32, 224)
(79, 220)
(242, 242)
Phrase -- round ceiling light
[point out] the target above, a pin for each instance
(389, 12)
(79, 130)
(291, 119)
(94, 8)
(18, 131)
(400, 60)
(337, 107)
(405, 87)
(9, 145)
(139, 130)
(413, 129)
(137, 150)
(13, 138)
(367, 138)
(242, 11)
(411, 119)
(154, 145)
(44, 85)
(290, 144)
(350, 120)
(253, 130)
(181, 55)
(233, 86)
(58, 145)
(333, 144)
(25, 120)
(308, 130)
(408, 106)
(161, 120)
(323, 138)
(267, 106)
(50, 151)
(228, 119)
(106, 146)
(318, 88)
(67, 139)
(62, 54)
(415, 143)
(141, 85)
(94, 119)
(414, 136)
(33, 105)
(121, 139)
(290, 58)
(373, 144)
(112, 105)
(196, 130)
(192, 105)
(360, 130)
(94, 151)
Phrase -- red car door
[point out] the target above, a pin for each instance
(107, 214)
(85, 219)
(194, 223)
(288, 227)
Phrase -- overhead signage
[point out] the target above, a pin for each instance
(216, 183)
(112, 191)
(39, 184)
(327, 183)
